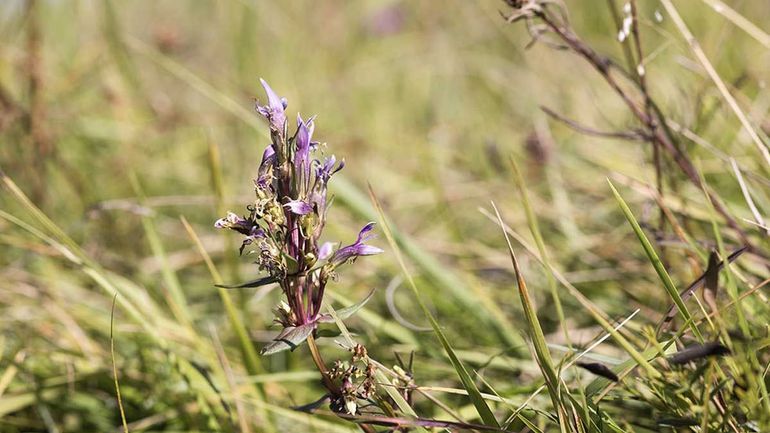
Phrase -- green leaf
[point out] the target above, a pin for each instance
(346, 312)
(289, 339)
(328, 333)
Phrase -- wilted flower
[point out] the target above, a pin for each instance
(234, 222)
(285, 223)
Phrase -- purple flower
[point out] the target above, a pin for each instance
(274, 110)
(299, 207)
(357, 249)
(241, 225)
(303, 142)
(263, 175)
(327, 169)
(285, 223)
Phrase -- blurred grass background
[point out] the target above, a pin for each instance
(117, 118)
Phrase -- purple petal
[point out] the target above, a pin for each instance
(327, 169)
(274, 110)
(303, 142)
(325, 251)
(367, 250)
(263, 175)
(359, 248)
(367, 228)
(299, 207)
(268, 153)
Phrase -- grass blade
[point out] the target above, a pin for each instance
(542, 355)
(485, 413)
(668, 284)
(251, 359)
(535, 230)
(478, 303)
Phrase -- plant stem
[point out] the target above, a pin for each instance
(319, 362)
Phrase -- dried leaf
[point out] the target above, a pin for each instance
(698, 351)
(253, 283)
(711, 282)
(686, 293)
(289, 338)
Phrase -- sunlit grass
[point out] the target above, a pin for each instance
(140, 132)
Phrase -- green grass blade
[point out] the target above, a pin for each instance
(251, 359)
(542, 355)
(485, 413)
(534, 228)
(478, 303)
(598, 315)
(178, 301)
(668, 284)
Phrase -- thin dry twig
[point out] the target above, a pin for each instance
(654, 123)
(623, 135)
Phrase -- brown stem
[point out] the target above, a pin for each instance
(319, 362)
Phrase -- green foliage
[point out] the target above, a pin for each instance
(117, 121)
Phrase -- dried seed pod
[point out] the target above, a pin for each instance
(599, 370)
(359, 352)
(698, 351)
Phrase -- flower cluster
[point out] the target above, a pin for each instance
(284, 224)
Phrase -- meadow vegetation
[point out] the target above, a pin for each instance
(570, 202)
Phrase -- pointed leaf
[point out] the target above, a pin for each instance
(289, 338)
(665, 278)
(711, 283)
(698, 351)
(310, 407)
(253, 283)
(346, 312)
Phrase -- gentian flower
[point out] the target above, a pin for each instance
(356, 249)
(287, 218)
(274, 111)
(283, 230)
(303, 143)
